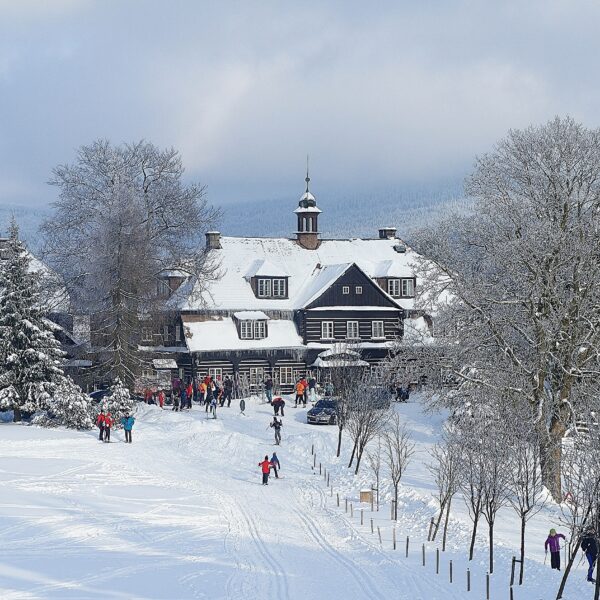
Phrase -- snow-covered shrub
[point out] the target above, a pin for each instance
(70, 406)
(119, 403)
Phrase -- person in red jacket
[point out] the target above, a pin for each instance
(108, 423)
(265, 466)
(100, 424)
(161, 399)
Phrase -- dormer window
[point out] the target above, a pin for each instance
(401, 288)
(251, 324)
(271, 287)
(253, 330)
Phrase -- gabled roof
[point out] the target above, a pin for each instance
(262, 266)
(308, 271)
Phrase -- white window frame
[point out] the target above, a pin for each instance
(260, 330)
(394, 288)
(216, 373)
(256, 375)
(148, 373)
(147, 334)
(326, 328)
(345, 289)
(358, 290)
(246, 330)
(408, 288)
(278, 288)
(286, 375)
(375, 325)
(352, 325)
(264, 287)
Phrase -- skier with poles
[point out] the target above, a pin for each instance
(275, 464)
(276, 424)
(553, 541)
(265, 466)
(590, 547)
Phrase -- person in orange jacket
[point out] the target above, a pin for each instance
(299, 393)
(108, 423)
(190, 394)
(265, 466)
(161, 398)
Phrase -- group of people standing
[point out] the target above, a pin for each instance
(105, 422)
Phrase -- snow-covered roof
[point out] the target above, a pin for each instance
(308, 209)
(220, 333)
(389, 268)
(250, 315)
(265, 268)
(308, 270)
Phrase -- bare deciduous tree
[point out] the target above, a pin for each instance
(445, 469)
(124, 215)
(517, 281)
(374, 458)
(398, 448)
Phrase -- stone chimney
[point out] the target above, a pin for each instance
(213, 240)
(387, 233)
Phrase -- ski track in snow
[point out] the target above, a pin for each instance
(181, 514)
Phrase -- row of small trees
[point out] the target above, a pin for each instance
(31, 376)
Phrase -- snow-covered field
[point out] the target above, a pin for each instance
(181, 513)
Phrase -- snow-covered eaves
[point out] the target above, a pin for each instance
(337, 363)
(310, 209)
(250, 315)
(164, 363)
(221, 334)
(357, 308)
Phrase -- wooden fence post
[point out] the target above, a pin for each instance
(437, 561)
(319, 468)
(468, 580)
(351, 511)
(450, 570)
(407, 542)
(312, 449)
(338, 499)
(371, 525)
(362, 513)
(346, 504)
(379, 534)
(394, 536)
(314, 460)
(423, 553)
(487, 586)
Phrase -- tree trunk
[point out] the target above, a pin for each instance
(17, 416)
(395, 502)
(436, 525)
(473, 536)
(522, 563)
(339, 446)
(491, 536)
(358, 458)
(597, 586)
(446, 524)
(563, 581)
(352, 455)
(550, 464)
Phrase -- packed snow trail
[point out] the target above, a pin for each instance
(181, 513)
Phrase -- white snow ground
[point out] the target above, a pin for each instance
(181, 513)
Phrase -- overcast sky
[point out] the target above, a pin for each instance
(379, 94)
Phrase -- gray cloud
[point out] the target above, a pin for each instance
(378, 93)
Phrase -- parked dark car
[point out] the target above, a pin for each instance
(322, 413)
(99, 395)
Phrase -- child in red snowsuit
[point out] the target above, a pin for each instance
(265, 466)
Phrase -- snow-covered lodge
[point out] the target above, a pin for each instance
(281, 306)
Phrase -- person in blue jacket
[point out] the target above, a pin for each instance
(128, 422)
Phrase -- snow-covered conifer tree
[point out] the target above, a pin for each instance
(30, 355)
(119, 403)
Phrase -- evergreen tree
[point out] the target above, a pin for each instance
(119, 403)
(30, 355)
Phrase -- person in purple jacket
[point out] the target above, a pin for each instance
(553, 541)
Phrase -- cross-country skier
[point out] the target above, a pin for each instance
(108, 423)
(265, 466)
(128, 422)
(590, 547)
(275, 464)
(553, 541)
(100, 425)
(276, 424)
